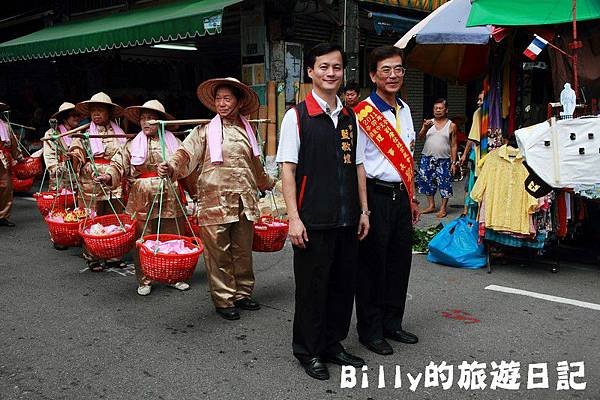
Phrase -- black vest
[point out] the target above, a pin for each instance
(326, 178)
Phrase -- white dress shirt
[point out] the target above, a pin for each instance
(289, 137)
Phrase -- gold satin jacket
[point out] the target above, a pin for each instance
(81, 161)
(230, 188)
(143, 189)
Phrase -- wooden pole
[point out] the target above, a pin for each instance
(574, 46)
(29, 128)
(67, 133)
(271, 115)
(194, 121)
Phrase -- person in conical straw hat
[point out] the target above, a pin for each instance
(137, 162)
(9, 155)
(230, 175)
(102, 113)
(55, 151)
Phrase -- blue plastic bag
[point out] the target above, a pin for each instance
(456, 245)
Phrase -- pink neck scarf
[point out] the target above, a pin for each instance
(215, 139)
(67, 139)
(4, 135)
(139, 146)
(96, 144)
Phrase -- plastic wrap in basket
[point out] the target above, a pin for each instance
(269, 234)
(114, 245)
(64, 233)
(168, 268)
(46, 201)
(21, 185)
(29, 168)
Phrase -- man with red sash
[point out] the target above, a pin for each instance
(386, 142)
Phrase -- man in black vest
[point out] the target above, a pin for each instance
(324, 187)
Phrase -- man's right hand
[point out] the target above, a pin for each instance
(164, 170)
(427, 123)
(297, 233)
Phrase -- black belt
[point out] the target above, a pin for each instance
(388, 188)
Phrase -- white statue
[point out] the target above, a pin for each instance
(568, 99)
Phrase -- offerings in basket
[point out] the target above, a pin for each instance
(269, 234)
(21, 185)
(101, 230)
(108, 236)
(47, 201)
(28, 168)
(63, 226)
(168, 258)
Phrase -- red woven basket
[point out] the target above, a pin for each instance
(168, 268)
(115, 245)
(21, 185)
(269, 238)
(29, 168)
(58, 201)
(64, 233)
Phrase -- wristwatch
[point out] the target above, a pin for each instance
(366, 212)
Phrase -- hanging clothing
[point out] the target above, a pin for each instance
(475, 137)
(501, 181)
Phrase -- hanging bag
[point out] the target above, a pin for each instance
(456, 245)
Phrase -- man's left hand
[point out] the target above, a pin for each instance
(363, 226)
(453, 169)
(416, 214)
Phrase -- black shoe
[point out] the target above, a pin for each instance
(379, 346)
(344, 358)
(60, 247)
(6, 222)
(315, 368)
(229, 313)
(247, 303)
(401, 336)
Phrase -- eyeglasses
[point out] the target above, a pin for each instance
(399, 70)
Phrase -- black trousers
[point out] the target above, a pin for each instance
(385, 257)
(325, 276)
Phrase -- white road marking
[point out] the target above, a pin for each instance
(542, 296)
(28, 198)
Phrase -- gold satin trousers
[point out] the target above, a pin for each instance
(228, 260)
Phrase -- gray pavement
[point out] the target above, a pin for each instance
(67, 333)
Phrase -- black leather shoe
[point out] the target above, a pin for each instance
(60, 247)
(315, 368)
(229, 313)
(247, 303)
(344, 358)
(5, 222)
(401, 336)
(379, 346)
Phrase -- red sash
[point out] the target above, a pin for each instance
(101, 160)
(384, 136)
(180, 189)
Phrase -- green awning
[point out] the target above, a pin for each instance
(525, 12)
(159, 24)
